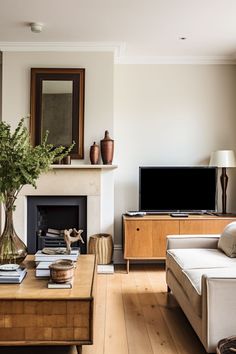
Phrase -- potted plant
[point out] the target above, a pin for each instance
(20, 164)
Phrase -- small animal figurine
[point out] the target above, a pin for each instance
(70, 236)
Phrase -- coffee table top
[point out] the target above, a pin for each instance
(36, 288)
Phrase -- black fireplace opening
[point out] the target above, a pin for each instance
(49, 216)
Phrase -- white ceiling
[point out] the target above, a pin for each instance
(141, 30)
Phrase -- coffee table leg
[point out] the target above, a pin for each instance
(79, 349)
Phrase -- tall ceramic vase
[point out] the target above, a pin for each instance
(12, 248)
(107, 149)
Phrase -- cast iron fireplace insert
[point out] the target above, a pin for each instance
(55, 212)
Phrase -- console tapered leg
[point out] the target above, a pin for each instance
(127, 266)
(79, 349)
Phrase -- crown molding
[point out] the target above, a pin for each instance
(115, 47)
(193, 60)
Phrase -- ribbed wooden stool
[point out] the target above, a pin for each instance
(102, 246)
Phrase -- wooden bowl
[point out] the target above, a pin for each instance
(62, 271)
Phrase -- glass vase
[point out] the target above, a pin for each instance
(12, 248)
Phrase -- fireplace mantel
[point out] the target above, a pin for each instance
(94, 181)
(73, 166)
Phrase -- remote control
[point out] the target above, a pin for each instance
(135, 213)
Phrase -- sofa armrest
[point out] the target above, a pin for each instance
(192, 241)
(219, 309)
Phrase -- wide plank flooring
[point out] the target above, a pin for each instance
(133, 315)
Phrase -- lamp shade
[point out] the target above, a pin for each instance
(223, 158)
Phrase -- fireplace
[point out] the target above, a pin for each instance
(95, 183)
(48, 216)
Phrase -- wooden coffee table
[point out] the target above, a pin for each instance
(32, 314)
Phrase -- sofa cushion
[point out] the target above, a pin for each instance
(188, 266)
(192, 283)
(227, 241)
(196, 258)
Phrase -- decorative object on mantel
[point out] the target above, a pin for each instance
(224, 159)
(70, 236)
(66, 160)
(94, 153)
(20, 164)
(107, 149)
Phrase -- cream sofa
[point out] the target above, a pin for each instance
(203, 280)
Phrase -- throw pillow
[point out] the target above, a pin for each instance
(227, 241)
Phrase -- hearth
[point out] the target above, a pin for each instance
(48, 216)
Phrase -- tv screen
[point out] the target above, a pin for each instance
(170, 189)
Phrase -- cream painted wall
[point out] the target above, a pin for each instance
(0, 86)
(98, 87)
(163, 114)
(170, 115)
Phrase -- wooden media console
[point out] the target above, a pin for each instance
(144, 238)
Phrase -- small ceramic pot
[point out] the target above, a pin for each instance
(61, 271)
(67, 160)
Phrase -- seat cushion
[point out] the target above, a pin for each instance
(196, 258)
(192, 283)
(227, 241)
(188, 266)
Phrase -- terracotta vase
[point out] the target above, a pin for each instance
(12, 248)
(107, 149)
(94, 153)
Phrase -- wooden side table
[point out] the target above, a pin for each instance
(32, 314)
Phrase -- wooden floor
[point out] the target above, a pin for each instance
(135, 315)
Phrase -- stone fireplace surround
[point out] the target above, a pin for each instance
(94, 181)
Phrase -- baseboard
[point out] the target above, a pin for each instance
(118, 257)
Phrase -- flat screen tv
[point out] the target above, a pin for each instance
(177, 189)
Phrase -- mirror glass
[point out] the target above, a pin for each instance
(57, 105)
(57, 111)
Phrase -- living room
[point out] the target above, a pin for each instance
(160, 77)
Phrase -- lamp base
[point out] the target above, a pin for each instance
(225, 215)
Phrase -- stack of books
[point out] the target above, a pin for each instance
(54, 233)
(12, 276)
(52, 285)
(42, 269)
(44, 260)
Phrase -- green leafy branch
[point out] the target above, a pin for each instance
(21, 163)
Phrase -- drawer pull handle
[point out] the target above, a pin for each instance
(137, 229)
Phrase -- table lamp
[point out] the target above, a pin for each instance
(224, 159)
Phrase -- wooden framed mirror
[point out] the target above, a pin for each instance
(57, 105)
